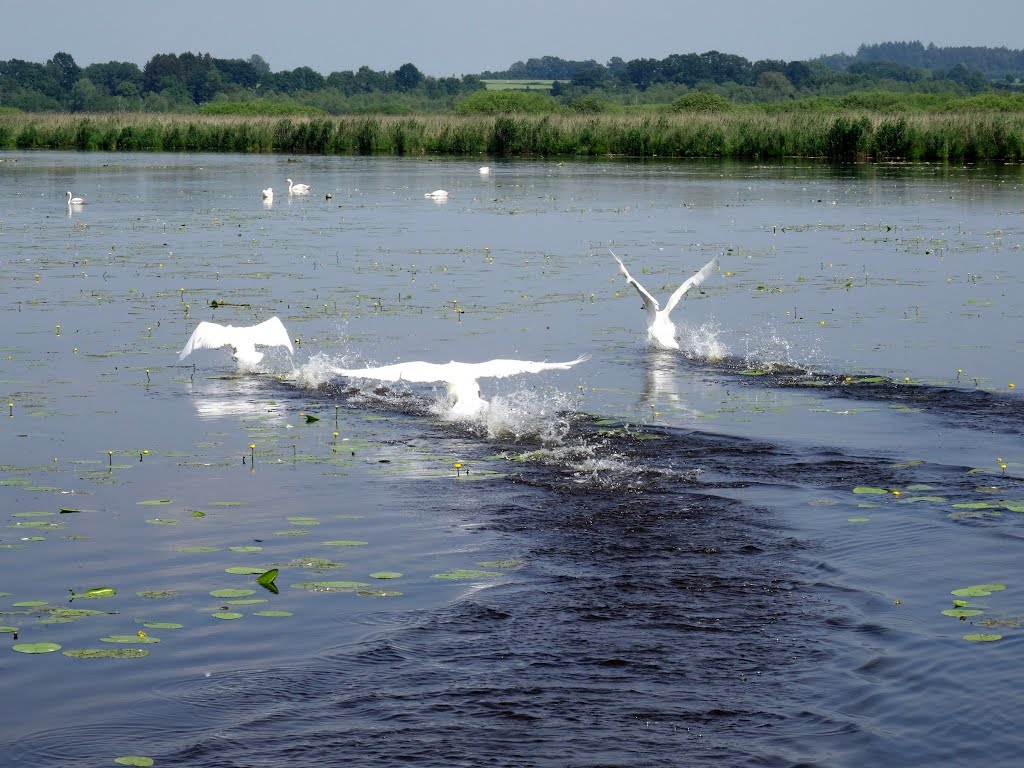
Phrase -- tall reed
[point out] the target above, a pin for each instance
(839, 135)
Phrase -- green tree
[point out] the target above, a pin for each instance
(407, 77)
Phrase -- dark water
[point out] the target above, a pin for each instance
(675, 568)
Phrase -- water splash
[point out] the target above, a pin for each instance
(703, 343)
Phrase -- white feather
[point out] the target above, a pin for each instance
(243, 340)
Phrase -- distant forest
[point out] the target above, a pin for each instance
(198, 82)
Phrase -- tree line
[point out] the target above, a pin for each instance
(190, 82)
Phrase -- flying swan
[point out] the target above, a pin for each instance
(75, 200)
(297, 189)
(242, 340)
(460, 379)
(661, 331)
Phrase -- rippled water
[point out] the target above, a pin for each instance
(661, 556)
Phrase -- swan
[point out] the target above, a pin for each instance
(75, 200)
(484, 170)
(297, 189)
(460, 379)
(268, 193)
(242, 340)
(661, 331)
(437, 194)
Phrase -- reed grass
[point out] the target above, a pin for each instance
(843, 135)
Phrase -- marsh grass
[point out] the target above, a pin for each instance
(843, 135)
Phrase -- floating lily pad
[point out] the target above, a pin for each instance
(162, 521)
(466, 573)
(153, 502)
(976, 505)
(858, 519)
(136, 638)
(232, 592)
(330, 586)
(978, 590)
(162, 625)
(250, 548)
(267, 577)
(979, 637)
(292, 533)
(962, 613)
(245, 570)
(273, 614)
(29, 603)
(378, 593)
(36, 647)
(198, 549)
(107, 653)
(297, 520)
(94, 594)
(869, 489)
(226, 615)
(385, 575)
(8, 629)
(138, 760)
(345, 543)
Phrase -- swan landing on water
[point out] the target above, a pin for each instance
(242, 340)
(460, 379)
(661, 331)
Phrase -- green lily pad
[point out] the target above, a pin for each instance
(226, 615)
(162, 625)
(153, 502)
(869, 489)
(267, 577)
(978, 590)
(857, 519)
(274, 614)
(250, 548)
(297, 520)
(129, 639)
(512, 563)
(244, 570)
(385, 575)
(8, 629)
(29, 603)
(137, 760)
(345, 543)
(467, 573)
(961, 613)
(978, 637)
(198, 549)
(232, 592)
(330, 586)
(378, 593)
(36, 647)
(107, 653)
(95, 593)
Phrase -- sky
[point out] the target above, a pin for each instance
(459, 37)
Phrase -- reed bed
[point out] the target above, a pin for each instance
(846, 136)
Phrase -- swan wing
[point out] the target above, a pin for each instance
(209, 336)
(501, 368)
(651, 305)
(410, 371)
(269, 333)
(693, 282)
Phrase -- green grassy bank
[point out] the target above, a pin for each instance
(847, 135)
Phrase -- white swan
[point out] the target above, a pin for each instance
(661, 331)
(484, 170)
(297, 189)
(268, 193)
(460, 379)
(437, 194)
(75, 200)
(242, 340)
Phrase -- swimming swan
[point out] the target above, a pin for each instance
(75, 200)
(661, 331)
(297, 189)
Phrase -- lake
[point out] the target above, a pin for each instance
(794, 541)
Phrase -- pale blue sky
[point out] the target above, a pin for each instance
(456, 37)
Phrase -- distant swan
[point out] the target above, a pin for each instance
(437, 194)
(242, 340)
(75, 200)
(268, 193)
(297, 189)
(460, 379)
(485, 169)
(661, 331)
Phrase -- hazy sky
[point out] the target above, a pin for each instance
(456, 37)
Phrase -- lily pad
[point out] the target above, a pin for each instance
(232, 592)
(869, 489)
(385, 575)
(330, 586)
(94, 594)
(962, 613)
(153, 502)
(250, 548)
(226, 615)
(345, 543)
(162, 625)
(36, 647)
(467, 573)
(979, 637)
(162, 521)
(978, 590)
(273, 614)
(138, 760)
(198, 549)
(127, 639)
(107, 653)
(245, 570)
